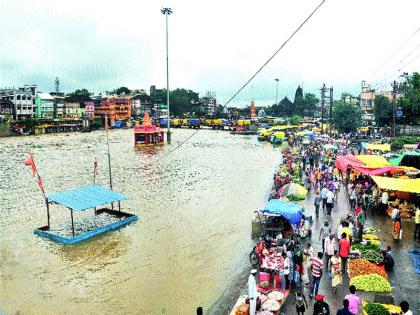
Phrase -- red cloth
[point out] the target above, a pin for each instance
(343, 161)
(30, 162)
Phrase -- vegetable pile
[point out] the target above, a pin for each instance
(372, 255)
(371, 282)
(361, 267)
(375, 309)
(369, 236)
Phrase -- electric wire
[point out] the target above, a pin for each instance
(243, 86)
(394, 54)
(275, 53)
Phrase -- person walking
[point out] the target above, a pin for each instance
(252, 292)
(324, 192)
(321, 307)
(405, 308)
(355, 303)
(417, 228)
(344, 251)
(330, 201)
(324, 233)
(345, 309)
(352, 198)
(317, 265)
(329, 249)
(336, 271)
(317, 203)
(300, 302)
(360, 220)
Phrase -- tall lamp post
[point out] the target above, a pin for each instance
(277, 88)
(166, 12)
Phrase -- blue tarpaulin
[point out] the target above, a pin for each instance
(289, 210)
(87, 197)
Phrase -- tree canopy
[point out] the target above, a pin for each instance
(80, 95)
(346, 117)
(410, 102)
(382, 111)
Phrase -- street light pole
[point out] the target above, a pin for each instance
(277, 88)
(166, 12)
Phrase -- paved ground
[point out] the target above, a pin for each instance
(405, 282)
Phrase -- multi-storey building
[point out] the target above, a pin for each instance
(89, 108)
(23, 100)
(44, 104)
(140, 104)
(116, 108)
(367, 97)
(58, 104)
(209, 103)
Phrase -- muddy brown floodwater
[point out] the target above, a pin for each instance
(191, 241)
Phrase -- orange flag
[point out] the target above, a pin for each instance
(30, 162)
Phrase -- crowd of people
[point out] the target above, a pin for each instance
(297, 265)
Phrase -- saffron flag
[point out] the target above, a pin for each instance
(30, 162)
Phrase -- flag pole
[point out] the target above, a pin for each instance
(109, 158)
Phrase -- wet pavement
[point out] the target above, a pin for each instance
(404, 281)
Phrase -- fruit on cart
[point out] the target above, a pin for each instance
(371, 282)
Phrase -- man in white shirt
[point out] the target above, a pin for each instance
(384, 201)
(324, 192)
(330, 201)
(252, 292)
(405, 308)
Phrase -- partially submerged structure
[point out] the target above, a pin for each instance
(93, 197)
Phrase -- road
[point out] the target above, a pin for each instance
(404, 281)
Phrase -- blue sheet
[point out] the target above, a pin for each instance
(415, 256)
(289, 210)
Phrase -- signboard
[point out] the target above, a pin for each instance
(399, 112)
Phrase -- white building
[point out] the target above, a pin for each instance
(23, 100)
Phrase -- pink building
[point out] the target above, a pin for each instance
(89, 109)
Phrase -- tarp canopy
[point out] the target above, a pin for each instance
(289, 210)
(378, 147)
(373, 161)
(376, 171)
(87, 197)
(406, 157)
(398, 184)
(343, 161)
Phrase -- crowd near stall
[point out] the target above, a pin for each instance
(285, 264)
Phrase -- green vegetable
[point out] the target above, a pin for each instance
(372, 255)
(376, 309)
(371, 282)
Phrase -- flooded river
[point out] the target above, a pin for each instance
(191, 241)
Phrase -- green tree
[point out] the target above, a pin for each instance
(298, 106)
(310, 102)
(295, 119)
(285, 108)
(346, 117)
(122, 91)
(183, 101)
(410, 102)
(382, 111)
(80, 95)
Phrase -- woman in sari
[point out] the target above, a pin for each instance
(336, 271)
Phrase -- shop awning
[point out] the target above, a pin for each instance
(378, 147)
(343, 161)
(375, 171)
(409, 157)
(289, 210)
(87, 197)
(398, 184)
(373, 161)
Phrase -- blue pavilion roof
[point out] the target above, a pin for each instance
(86, 197)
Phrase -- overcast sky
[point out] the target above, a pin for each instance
(213, 45)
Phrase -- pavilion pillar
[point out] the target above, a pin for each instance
(119, 206)
(72, 222)
(48, 212)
